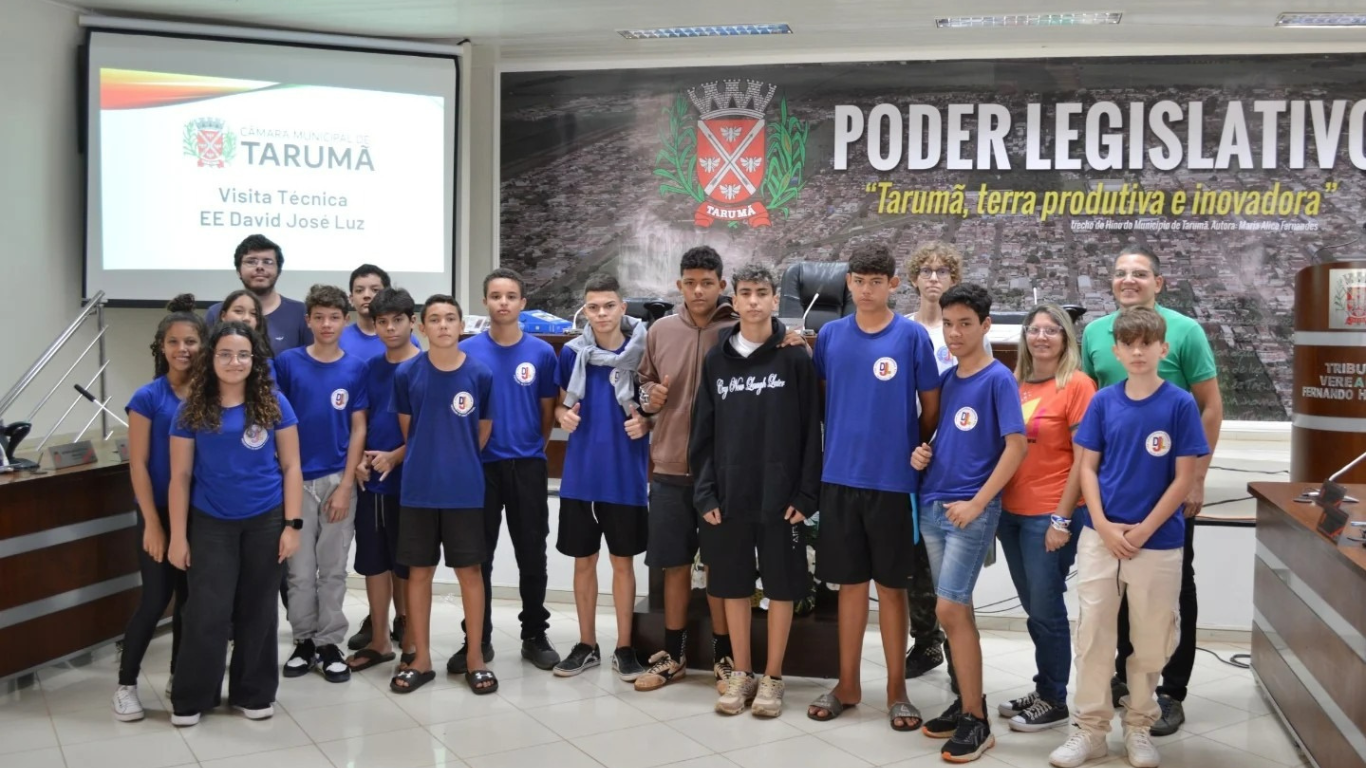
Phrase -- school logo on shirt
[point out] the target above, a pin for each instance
(942, 355)
(525, 374)
(614, 376)
(462, 403)
(340, 398)
(965, 419)
(254, 437)
(1158, 443)
(884, 368)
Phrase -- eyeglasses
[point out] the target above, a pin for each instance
(228, 357)
(1137, 274)
(254, 263)
(1046, 331)
(940, 272)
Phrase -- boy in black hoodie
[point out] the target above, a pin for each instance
(756, 448)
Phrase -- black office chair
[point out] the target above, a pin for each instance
(803, 280)
(647, 309)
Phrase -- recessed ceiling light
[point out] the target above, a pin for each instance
(731, 30)
(1030, 20)
(1321, 20)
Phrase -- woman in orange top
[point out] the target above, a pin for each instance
(1038, 502)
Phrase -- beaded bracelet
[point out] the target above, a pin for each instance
(1060, 523)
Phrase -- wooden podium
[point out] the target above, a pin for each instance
(1328, 427)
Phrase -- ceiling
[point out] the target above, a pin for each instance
(528, 32)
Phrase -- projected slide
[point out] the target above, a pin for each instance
(190, 165)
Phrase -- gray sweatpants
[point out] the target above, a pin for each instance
(317, 572)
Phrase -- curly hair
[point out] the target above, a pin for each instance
(203, 409)
(181, 310)
(262, 328)
(935, 250)
(326, 297)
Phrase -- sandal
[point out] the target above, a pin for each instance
(368, 657)
(476, 679)
(411, 679)
(907, 714)
(833, 707)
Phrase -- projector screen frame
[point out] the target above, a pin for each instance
(279, 38)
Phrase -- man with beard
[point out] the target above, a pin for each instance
(258, 262)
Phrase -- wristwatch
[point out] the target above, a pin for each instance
(297, 523)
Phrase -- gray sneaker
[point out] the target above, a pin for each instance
(768, 702)
(741, 688)
(1173, 715)
(626, 664)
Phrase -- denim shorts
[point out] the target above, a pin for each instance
(957, 554)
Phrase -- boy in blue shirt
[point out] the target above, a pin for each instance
(326, 386)
(515, 473)
(981, 442)
(445, 412)
(603, 491)
(380, 471)
(876, 365)
(1142, 438)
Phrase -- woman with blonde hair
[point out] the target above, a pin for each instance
(1038, 505)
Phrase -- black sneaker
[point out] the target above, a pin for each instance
(1016, 706)
(1039, 716)
(1173, 715)
(304, 658)
(333, 664)
(540, 652)
(946, 724)
(362, 637)
(626, 664)
(971, 739)
(921, 659)
(581, 657)
(1119, 691)
(400, 624)
(459, 663)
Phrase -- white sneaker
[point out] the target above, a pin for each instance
(1079, 747)
(768, 702)
(257, 714)
(187, 719)
(1138, 746)
(127, 705)
(741, 688)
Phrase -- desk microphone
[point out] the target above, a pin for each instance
(1312, 497)
(91, 397)
(1329, 498)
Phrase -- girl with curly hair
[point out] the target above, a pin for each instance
(150, 413)
(236, 438)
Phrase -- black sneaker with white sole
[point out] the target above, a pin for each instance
(1016, 706)
(971, 739)
(627, 664)
(581, 657)
(304, 658)
(922, 658)
(1039, 716)
(946, 724)
(333, 664)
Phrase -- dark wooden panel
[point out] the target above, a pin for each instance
(64, 498)
(46, 572)
(1333, 663)
(1311, 724)
(33, 643)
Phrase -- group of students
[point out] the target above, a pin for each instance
(914, 444)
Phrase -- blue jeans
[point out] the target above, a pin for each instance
(957, 554)
(1040, 579)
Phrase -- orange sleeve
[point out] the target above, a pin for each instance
(1080, 391)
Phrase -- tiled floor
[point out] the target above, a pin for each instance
(592, 721)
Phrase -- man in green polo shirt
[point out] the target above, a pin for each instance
(1189, 364)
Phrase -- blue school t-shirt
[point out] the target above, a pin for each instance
(1139, 442)
(381, 429)
(601, 463)
(236, 474)
(523, 374)
(157, 402)
(441, 467)
(324, 396)
(288, 325)
(872, 381)
(362, 345)
(975, 415)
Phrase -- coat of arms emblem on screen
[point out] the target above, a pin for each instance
(208, 140)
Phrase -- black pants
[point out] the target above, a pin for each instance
(234, 576)
(160, 582)
(519, 485)
(1176, 676)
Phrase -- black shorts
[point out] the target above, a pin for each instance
(423, 533)
(730, 547)
(377, 535)
(865, 535)
(584, 524)
(673, 525)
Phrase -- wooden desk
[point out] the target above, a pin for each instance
(1309, 625)
(68, 562)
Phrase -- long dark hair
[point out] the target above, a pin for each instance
(261, 328)
(181, 310)
(203, 410)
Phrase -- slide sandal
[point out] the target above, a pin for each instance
(833, 707)
(478, 680)
(411, 679)
(907, 714)
(368, 657)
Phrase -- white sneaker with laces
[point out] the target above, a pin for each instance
(1138, 746)
(1080, 747)
(768, 702)
(127, 705)
(741, 688)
